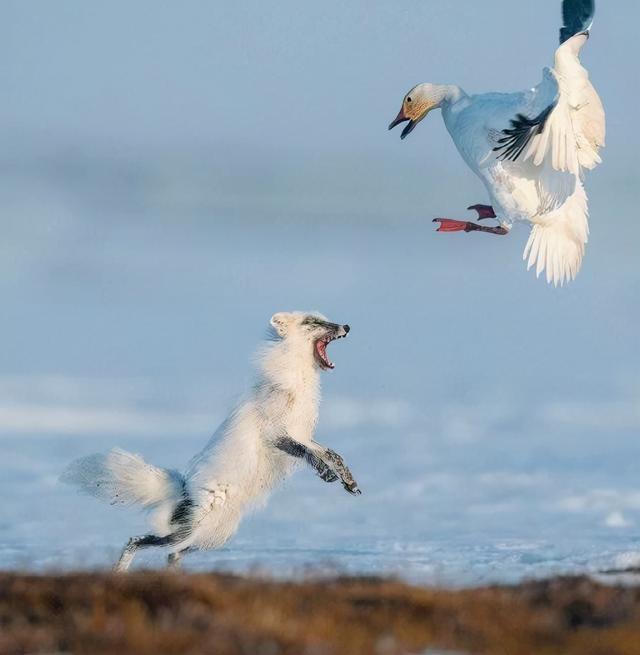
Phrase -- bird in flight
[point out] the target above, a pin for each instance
(529, 148)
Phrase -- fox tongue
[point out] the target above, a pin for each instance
(321, 348)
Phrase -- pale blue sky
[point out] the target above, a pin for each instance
(291, 74)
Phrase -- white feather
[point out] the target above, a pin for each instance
(557, 240)
(575, 130)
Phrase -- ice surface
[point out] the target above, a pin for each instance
(491, 421)
(428, 513)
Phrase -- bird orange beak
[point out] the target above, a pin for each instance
(401, 118)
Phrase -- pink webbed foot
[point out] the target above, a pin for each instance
(450, 225)
(484, 211)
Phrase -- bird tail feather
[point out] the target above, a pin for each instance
(557, 240)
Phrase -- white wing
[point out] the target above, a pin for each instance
(558, 132)
(574, 132)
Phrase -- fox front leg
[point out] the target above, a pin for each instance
(324, 472)
(300, 451)
(328, 467)
(346, 477)
(336, 464)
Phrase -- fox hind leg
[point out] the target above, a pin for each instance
(174, 560)
(145, 541)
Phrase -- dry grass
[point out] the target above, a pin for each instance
(158, 613)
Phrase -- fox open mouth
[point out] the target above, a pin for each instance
(320, 352)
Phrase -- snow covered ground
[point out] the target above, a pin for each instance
(432, 510)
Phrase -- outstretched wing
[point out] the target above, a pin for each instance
(575, 130)
(557, 132)
(567, 131)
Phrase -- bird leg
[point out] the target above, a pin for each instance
(484, 211)
(449, 225)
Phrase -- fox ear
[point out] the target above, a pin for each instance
(280, 322)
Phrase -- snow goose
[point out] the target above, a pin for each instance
(529, 148)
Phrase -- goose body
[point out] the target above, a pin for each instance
(530, 149)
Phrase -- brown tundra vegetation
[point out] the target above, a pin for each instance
(170, 613)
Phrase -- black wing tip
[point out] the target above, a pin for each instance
(566, 34)
(577, 16)
(522, 130)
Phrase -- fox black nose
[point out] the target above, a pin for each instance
(346, 328)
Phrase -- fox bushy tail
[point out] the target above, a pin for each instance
(122, 478)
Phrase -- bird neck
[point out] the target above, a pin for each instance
(448, 94)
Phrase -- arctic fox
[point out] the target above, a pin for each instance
(256, 447)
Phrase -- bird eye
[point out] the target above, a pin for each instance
(409, 99)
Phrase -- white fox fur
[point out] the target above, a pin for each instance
(122, 478)
(255, 448)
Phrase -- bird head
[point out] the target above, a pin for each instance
(416, 105)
